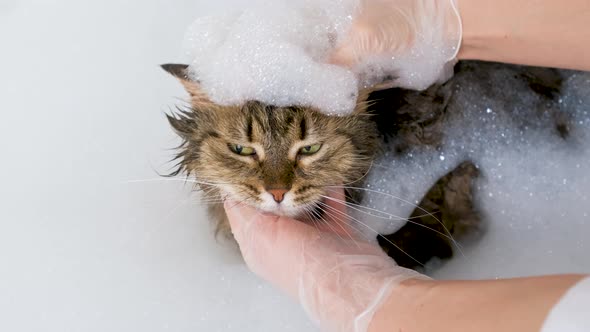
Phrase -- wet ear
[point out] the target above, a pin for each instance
(177, 70)
(363, 101)
(181, 72)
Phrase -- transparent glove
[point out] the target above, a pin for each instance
(340, 282)
(414, 42)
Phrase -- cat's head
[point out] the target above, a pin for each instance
(278, 159)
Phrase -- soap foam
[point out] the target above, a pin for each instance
(534, 190)
(277, 52)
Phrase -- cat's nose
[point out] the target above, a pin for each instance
(278, 194)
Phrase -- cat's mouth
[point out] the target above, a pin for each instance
(308, 212)
(295, 212)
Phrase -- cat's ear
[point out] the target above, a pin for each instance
(180, 71)
(363, 101)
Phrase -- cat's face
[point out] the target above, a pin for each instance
(280, 160)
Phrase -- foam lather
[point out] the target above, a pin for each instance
(277, 52)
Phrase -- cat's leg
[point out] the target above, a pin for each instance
(447, 208)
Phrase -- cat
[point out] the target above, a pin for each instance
(283, 159)
(279, 159)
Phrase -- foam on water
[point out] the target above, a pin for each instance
(535, 187)
(276, 52)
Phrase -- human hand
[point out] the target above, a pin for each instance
(340, 283)
(416, 41)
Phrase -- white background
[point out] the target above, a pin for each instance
(82, 101)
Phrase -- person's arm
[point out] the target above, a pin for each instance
(538, 33)
(507, 305)
(348, 285)
(531, 32)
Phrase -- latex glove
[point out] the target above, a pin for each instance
(417, 41)
(340, 283)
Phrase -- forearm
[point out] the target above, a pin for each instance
(532, 32)
(518, 305)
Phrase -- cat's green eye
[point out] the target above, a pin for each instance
(310, 149)
(242, 150)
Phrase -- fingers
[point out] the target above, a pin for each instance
(333, 280)
(250, 224)
(380, 28)
(343, 56)
(271, 245)
(244, 219)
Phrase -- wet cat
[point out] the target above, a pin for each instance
(282, 160)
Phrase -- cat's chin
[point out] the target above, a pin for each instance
(290, 212)
(300, 213)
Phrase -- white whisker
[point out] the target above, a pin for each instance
(350, 205)
(373, 230)
(414, 205)
(338, 221)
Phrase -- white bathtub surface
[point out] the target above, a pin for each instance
(81, 249)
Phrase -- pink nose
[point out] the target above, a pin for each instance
(278, 194)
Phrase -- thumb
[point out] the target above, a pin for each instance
(244, 220)
(271, 245)
(344, 56)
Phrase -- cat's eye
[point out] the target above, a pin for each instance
(242, 150)
(310, 149)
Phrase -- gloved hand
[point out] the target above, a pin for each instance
(417, 41)
(340, 282)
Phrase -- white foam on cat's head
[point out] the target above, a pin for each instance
(276, 52)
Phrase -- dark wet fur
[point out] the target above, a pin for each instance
(450, 200)
(410, 119)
